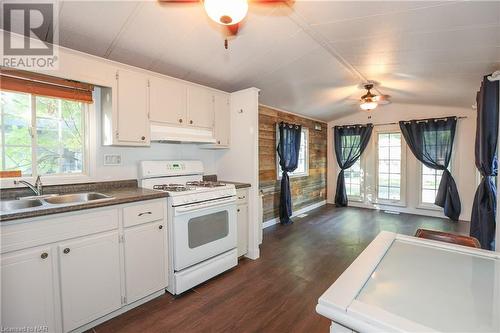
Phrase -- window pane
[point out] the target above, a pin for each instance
(383, 179)
(395, 166)
(383, 153)
(383, 139)
(18, 158)
(60, 136)
(395, 180)
(383, 192)
(395, 153)
(428, 196)
(16, 151)
(395, 139)
(353, 179)
(383, 166)
(389, 166)
(394, 193)
(355, 190)
(429, 182)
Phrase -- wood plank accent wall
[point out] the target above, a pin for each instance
(305, 190)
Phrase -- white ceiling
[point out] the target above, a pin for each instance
(307, 59)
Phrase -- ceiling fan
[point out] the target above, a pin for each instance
(229, 13)
(370, 101)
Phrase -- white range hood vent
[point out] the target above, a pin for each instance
(167, 133)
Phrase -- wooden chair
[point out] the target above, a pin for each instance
(448, 238)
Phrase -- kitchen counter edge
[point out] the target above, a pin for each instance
(120, 196)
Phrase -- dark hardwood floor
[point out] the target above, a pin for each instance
(279, 291)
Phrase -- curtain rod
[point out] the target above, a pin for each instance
(396, 123)
(419, 120)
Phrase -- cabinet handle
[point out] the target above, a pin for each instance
(238, 210)
(66, 250)
(243, 197)
(190, 121)
(143, 138)
(44, 255)
(160, 227)
(218, 142)
(145, 213)
(180, 120)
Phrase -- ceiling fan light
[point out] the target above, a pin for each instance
(226, 12)
(368, 105)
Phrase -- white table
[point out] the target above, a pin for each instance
(406, 284)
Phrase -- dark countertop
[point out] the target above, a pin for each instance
(119, 194)
(237, 184)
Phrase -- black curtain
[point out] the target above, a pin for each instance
(288, 152)
(484, 207)
(350, 142)
(431, 141)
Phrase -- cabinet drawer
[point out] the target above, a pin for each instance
(53, 228)
(241, 196)
(146, 211)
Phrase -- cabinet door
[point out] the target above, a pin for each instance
(222, 119)
(27, 292)
(200, 107)
(132, 108)
(242, 217)
(90, 278)
(168, 102)
(145, 260)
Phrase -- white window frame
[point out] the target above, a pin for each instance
(362, 193)
(305, 131)
(402, 201)
(89, 151)
(425, 205)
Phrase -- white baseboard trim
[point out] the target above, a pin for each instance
(303, 210)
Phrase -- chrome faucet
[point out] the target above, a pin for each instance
(37, 188)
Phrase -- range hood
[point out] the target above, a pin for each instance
(169, 133)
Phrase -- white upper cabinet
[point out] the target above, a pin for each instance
(167, 101)
(28, 294)
(222, 119)
(133, 124)
(200, 110)
(125, 110)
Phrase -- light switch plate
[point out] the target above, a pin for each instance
(112, 159)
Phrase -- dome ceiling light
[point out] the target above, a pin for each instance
(229, 13)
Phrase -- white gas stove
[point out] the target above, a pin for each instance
(201, 218)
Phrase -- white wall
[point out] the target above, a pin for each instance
(463, 168)
(241, 162)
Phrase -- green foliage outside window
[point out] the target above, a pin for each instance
(49, 131)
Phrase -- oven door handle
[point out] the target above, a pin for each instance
(202, 205)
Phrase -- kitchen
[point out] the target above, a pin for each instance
(141, 181)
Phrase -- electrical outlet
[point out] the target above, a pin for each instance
(112, 159)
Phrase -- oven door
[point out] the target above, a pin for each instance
(203, 230)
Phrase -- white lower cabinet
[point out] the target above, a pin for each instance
(27, 289)
(81, 268)
(242, 217)
(145, 260)
(90, 278)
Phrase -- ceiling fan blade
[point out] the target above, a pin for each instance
(382, 99)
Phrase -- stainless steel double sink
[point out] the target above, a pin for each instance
(47, 201)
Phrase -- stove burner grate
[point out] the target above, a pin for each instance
(204, 184)
(171, 187)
